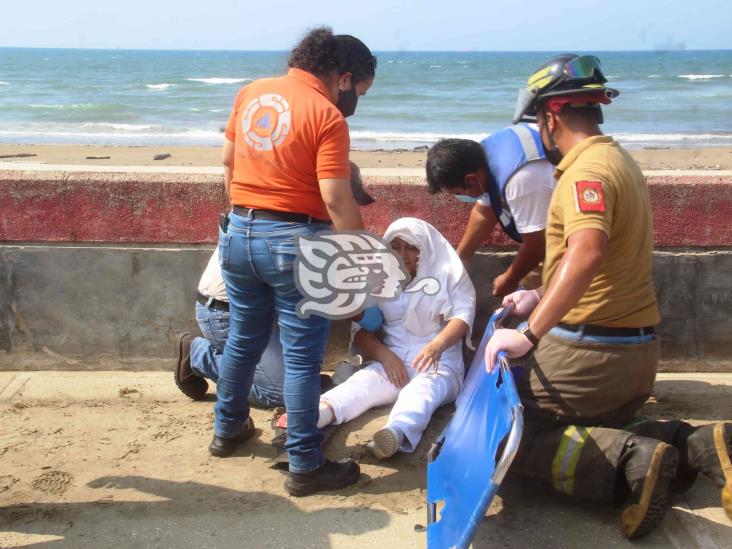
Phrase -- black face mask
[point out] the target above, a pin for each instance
(347, 101)
(553, 155)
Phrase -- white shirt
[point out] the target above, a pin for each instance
(407, 345)
(212, 283)
(528, 194)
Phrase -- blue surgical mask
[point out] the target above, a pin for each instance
(465, 198)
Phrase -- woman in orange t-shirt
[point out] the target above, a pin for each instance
(288, 175)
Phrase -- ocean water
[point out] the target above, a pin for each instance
(138, 97)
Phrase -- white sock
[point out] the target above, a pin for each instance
(326, 415)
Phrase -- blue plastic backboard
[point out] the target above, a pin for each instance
(464, 472)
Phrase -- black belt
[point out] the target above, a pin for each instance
(592, 330)
(272, 215)
(215, 303)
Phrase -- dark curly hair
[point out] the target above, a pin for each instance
(322, 53)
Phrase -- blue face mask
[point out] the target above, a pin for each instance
(465, 198)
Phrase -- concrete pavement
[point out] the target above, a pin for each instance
(102, 459)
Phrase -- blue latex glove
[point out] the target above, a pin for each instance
(372, 319)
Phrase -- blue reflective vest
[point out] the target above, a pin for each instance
(509, 150)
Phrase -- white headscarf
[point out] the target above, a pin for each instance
(437, 259)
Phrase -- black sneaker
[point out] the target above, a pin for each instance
(224, 447)
(190, 384)
(707, 450)
(333, 475)
(648, 466)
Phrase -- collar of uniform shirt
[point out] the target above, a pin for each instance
(578, 149)
(310, 79)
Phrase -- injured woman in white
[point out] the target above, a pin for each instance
(417, 361)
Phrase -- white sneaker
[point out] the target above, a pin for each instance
(386, 443)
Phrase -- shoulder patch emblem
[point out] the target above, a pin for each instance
(588, 196)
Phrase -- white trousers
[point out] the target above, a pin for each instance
(413, 405)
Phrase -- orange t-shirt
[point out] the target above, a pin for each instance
(287, 135)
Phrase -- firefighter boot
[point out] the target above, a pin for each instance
(707, 450)
(648, 466)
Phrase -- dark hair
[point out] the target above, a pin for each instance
(590, 113)
(450, 160)
(355, 58)
(321, 53)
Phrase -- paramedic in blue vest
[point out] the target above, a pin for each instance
(509, 179)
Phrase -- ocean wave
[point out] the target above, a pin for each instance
(394, 140)
(700, 76)
(413, 137)
(3, 83)
(60, 106)
(219, 80)
(630, 137)
(104, 126)
(163, 86)
(150, 134)
(641, 140)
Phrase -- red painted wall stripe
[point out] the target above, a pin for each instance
(694, 211)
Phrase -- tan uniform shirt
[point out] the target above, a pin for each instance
(601, 187)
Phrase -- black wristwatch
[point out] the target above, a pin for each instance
(526, 331)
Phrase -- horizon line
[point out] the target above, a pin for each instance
(659, 50)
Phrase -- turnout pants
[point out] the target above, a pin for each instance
(580, 398)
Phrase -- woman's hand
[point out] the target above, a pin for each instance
(394, 368)
(429, 357)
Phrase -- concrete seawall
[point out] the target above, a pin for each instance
(99, 269)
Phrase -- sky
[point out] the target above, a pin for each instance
(447, 25)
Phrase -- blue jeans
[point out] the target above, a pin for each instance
(257, 265)
(207, 351)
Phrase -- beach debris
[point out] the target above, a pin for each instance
(420, 528)
(19, 155)
(162, 156)
(98, 157)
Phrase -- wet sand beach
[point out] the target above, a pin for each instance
(703, 158)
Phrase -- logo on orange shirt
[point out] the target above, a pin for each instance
(266, 121)
(589, 197)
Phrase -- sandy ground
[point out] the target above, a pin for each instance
(711, 158)
(118, 459)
